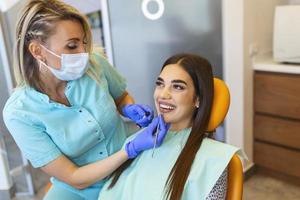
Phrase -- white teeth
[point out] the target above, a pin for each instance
(166, 107)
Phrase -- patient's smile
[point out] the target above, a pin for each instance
(165, 107)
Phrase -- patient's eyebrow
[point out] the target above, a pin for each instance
(179, 81)
(160, 79)
(173, 81)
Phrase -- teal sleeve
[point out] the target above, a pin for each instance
(116, 83)
(33, 141)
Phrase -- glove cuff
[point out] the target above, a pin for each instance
(130, 150)
(124, 111)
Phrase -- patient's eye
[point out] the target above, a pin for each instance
(178, 87)
(159, 83)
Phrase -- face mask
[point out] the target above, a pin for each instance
(73, 66)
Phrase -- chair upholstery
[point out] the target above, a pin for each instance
(235, 179)
(220, 104)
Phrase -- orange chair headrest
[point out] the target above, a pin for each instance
(220, 104)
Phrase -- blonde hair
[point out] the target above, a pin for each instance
(37, 22)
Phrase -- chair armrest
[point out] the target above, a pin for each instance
(235, 179)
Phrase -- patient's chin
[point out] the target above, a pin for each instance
(167, 120)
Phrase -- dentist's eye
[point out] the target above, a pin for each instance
(72, 46)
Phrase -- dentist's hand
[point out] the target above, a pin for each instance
(145, 139)
(140, 114)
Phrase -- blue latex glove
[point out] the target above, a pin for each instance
(142, 115)
(145, 139)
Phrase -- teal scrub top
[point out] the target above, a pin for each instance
(146, 177)
(89, 130)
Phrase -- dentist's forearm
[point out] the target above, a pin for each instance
(81, 177)
(90, 174)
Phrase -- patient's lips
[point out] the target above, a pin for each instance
(165, 107)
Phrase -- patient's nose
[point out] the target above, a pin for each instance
(165, 93)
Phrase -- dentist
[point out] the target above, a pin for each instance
(65, 112)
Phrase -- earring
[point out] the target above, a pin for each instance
(40, 64)
(197, 102)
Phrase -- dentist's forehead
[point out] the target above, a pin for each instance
(68, 29)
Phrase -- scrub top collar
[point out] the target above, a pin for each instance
(45, 98)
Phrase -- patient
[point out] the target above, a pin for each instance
(188, 165)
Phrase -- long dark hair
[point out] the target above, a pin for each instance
(200, 71)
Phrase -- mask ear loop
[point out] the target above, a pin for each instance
(50, 51)
(42, 62)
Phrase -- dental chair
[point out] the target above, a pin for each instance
(219, 110)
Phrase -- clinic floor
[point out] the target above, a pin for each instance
(257, 187)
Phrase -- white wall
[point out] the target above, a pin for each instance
(5, 178)
(86, 6)
(294, 2)
(7, 4)
(6, 86)
(234, 75)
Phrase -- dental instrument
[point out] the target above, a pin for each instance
(155, 139)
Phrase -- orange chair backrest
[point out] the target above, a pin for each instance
(220, 104)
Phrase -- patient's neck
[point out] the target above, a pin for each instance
(180, 123)
(180, 126)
